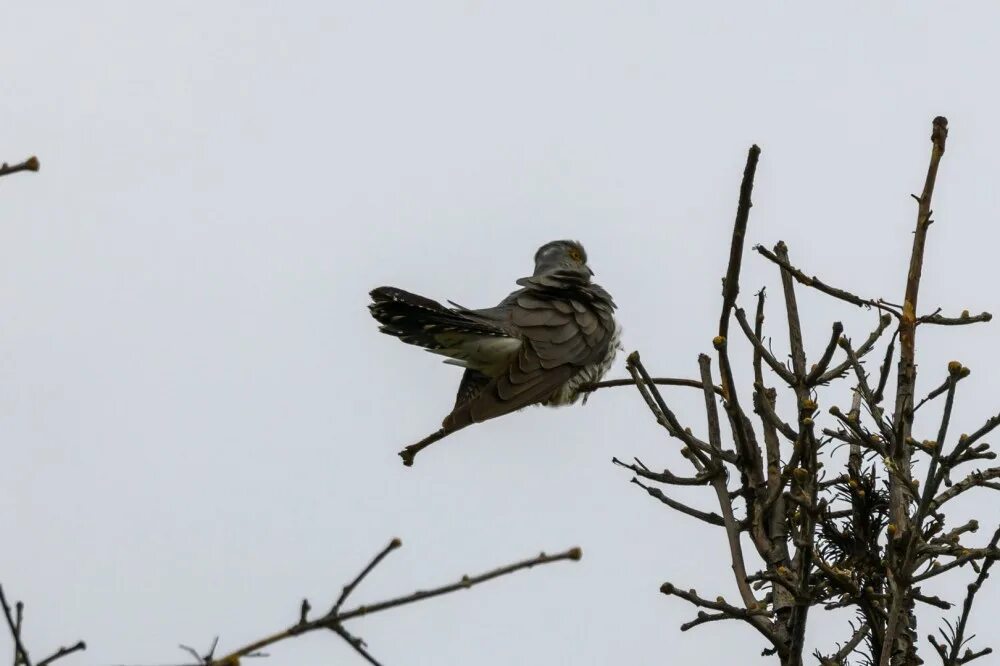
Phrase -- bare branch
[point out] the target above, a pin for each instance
(392, 545)
(898, 636)
(817, 370)
(20, 651)
(666, 476)
(62, 652)
(862, 351)
(706, 516)
(837, 659)
(973, 480)
(962, 320)
(356, 643)
(759, 348)
(757, 617)
(819, 285)
(15, 630)
(658, 381)
(30, 164)
(958, 639)
(334, 619)
(466, 582)
(731, 282)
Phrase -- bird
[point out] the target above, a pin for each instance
(539, 346)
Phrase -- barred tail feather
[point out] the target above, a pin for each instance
(420, 321)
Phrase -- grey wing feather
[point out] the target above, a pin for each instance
(559, 337)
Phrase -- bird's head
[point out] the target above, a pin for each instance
(562, 255)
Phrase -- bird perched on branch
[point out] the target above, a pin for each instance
(538, 346)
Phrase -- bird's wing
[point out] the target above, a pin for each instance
(559, 335)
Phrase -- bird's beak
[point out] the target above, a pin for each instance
(590, 269)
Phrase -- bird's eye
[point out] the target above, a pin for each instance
(575, 255)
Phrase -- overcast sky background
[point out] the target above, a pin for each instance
(198, 417)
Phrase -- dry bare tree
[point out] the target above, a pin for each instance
(862, 533)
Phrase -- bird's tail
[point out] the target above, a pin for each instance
(420, 321)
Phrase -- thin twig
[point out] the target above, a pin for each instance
(15, 630)
(356, 643)
(817, 370)
(62, 652)
(958, 640)
(659, 381)
(962, 320)
(862, 351)
(705, 516)
(334, 619)
(392, 545)
(30, 164)
(819, 285)
(855, 640)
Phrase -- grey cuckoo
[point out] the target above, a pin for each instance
(538, 346)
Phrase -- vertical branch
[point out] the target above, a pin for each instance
(898, 638)
(806, 451)
(854, 455)
(731, 283)
(20, 652)
(719, 484)
(751, 464)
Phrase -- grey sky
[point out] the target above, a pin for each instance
(199, 419)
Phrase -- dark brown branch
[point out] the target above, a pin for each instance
(962, 320)
(706, 516)
(933, 480)
(719, 484)
(356, 643)
(334, 619)
(933, 394)
(963, 557)
(966, 441)
(862, 351)
(837, 659)
(764, 408)
(935, 601)
(15, 630)
(806, 452)
(654, 400)
(572, 554)
(393, 545)
(817, 370)
(30, 164)
(819, 285)
(659, 381)
(958, 639)
(755, 616)
(883, 373)
(898, 637)
(973, 480)
(759, 348)
(731, 282)
(866, 392)
(20, 651)
(666, 476)
(62, 652)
